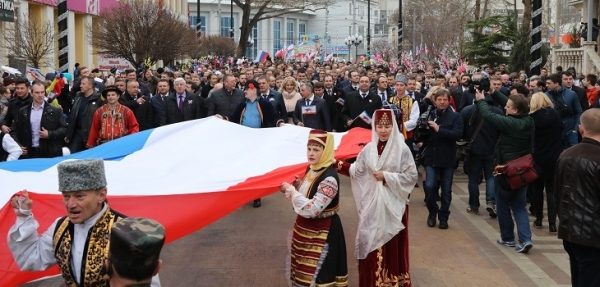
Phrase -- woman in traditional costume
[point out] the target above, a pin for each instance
(382, 178)
(318, 251)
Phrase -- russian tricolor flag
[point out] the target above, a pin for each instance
(185, 176)
(261, 57)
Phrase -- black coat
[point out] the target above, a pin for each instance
(14, 105)
(193, 108)
(354, 105)
(440, 147)
(276, 100)
(159, 105)
(321, 120)
(93, 103)
(582, 96)
(144, 113)
(52, 120)
(335, 100)
(266, 109)
(548, 135)
(485, 140)
(576, 188)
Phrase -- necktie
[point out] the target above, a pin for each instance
(382, 95)
(307, 102)
(363, 95)
(329, 92)
(412, 95)
(180, 106)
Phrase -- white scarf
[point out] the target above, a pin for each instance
(381, 207)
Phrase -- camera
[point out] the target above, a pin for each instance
(422, 131)
(483, 85)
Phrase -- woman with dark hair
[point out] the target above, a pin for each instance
(514, 141)
(547, 148)
(318, 251)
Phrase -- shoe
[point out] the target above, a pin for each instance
(443, 225)
(431, 220)
(472, 210)
(257, 203)
(524, 247)
(537, 223)
(552, 227)
(491, 209)
(506, 243)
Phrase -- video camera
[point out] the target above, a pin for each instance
(423, 131)
(483, 85)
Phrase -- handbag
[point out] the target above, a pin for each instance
(521, 171)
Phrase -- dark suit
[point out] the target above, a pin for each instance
(581, 95)
(53, 121)
(276, 100)
(335, 100)
(320, 120)
(224, 103)
(144, 113)
(355, 104)
(159, 104)
(193, 108)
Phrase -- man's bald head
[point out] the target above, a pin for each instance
(590, 122)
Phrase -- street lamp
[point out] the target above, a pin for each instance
(353, 41)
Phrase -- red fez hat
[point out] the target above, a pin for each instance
(317, 137)
(383, 117)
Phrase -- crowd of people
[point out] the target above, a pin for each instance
(421, 117)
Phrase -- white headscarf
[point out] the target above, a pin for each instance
(381, 207)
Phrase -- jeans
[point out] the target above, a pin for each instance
(476, 165)
(585, 263)
(570, 138)
(431, 186)
(515, 201)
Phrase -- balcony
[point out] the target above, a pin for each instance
(585, 60)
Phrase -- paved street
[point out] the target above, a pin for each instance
(249, 248)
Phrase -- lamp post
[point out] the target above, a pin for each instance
(231, 19)
(354, 41)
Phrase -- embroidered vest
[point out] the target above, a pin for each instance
(113, 123)
(96, 246)
(312, 189)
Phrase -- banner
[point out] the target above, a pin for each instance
(185, 176)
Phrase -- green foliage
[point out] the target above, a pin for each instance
(492, 40)
(520, 57)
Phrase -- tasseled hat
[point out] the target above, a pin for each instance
(317, 137)
(383, 117)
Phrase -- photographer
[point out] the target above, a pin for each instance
(481, 137)
(440, 156)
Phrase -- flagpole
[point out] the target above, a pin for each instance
(400, 30)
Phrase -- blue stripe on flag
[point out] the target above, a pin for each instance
(113, 150)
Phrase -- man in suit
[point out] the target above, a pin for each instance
(40, 127)
(159, 102)
(568, 83)
(411, 90)
(360, 105)
(182, 105)
(85, 104)
(382, 89)
(22, 98)
(139, 104)
(311, 111)
(335, 109)
(275, 98)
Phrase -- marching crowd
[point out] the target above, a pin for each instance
(490, 119)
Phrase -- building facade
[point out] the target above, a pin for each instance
(268, 35)
(81, 16)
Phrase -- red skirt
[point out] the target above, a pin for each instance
(388, 265)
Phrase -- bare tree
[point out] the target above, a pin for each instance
(143, 32)
(385, 49)
(257, 10)
(214, 45)
(31, 41)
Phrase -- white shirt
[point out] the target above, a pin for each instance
(11, 147)
(34, 252)
(35, 119)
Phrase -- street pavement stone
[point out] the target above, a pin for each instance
(250, 247)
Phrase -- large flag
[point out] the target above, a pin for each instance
(185, 176)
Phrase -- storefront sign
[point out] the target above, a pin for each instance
(92, 7)
(7, 10)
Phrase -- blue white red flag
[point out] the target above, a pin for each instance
(156, 174)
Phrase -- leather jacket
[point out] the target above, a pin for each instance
(578, 195)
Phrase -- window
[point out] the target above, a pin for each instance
(194, 23)
(291, 24)
(276, 36)
(252, 51)
(301, 31)
(226, 25)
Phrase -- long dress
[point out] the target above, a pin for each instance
(318, 251)
(382, 237)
